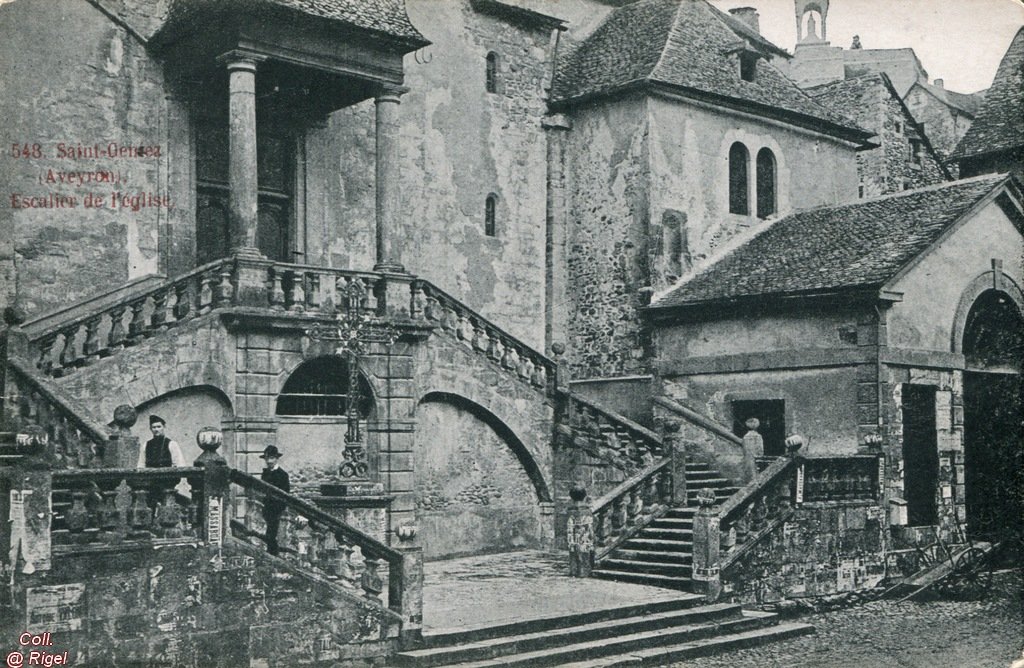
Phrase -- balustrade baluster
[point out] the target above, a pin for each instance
(370, 301)
(496, 350)
(115, 337)
(225, 290)
(277, 290)
(297, 296)
(633, 507)
(182, 300)
(539, 376)
(511, 359)
(344, 564)
(140, 517)
(525, 366)
(618, 514)
(600, 527)
(159, 317)
(371, 581)
(432, 309)
(450, 319)
(465, 330)
(69, 354)
(313, 297)
(204, 298)
(76, 520)
(138, 326)
(416, 300)
(479, 336)
(91, 346)
(46, 352)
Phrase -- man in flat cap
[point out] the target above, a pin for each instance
(273, 508)
(160, 451)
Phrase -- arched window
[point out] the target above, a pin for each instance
(766, 200)
(320, 387)
(490, 207)
(492, 72)
(739, 158)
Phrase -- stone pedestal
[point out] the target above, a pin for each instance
(411, 593)
(706, 554)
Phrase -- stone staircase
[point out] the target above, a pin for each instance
(648, 634)
(661, 554)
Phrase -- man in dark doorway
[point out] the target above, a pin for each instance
(160, 451)
(273, 508)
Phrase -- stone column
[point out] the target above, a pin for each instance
(389, 187)
(706, 550)
(557, 127)
(242, 180)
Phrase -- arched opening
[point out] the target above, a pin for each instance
(490, 215)
(477, 489)
(739, 199)
(491, 73)
(185, 411)
(767, 202)
(993, 345)
(312, 426)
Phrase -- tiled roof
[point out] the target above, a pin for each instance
(969, 103)
(857, 245)
(999, 125)
(685, 44)
(384, 16)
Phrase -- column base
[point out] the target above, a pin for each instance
(248, 252)
(389, 268)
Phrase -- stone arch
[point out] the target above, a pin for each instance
(187, 410)
(503, 431)
(989, 280)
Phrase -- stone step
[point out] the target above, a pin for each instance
(680, 512)
(672, 523)
(441, 637)
(652, 579)
(660, 544)
(617, 563)
(666, 533)
(703, 483)
(614, 645)
(653, 555)
(574, 635)
(662, 656)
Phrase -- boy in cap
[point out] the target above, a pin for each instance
(273, 508)
(160, 451)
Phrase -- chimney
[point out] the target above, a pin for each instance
(749, 16)
(939, 83)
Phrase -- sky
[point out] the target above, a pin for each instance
(959, 41)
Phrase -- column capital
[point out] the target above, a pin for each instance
(387, 92)
(240, 59)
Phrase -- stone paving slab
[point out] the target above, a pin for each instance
(473, 592)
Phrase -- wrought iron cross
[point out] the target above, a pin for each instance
(355, 330)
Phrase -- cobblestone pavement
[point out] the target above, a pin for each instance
(885, 634)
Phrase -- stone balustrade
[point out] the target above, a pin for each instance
(607, 436)
(318, 542)
(64, 432)
(114, 506)
(479, 334)
(634, 504)
(850, 478)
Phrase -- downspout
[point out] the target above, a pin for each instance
(879, 329)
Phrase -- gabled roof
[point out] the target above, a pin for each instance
(999, 125)
(691, 48)
(967, 103)
(861, 245)
(387, 17)
(850, 95)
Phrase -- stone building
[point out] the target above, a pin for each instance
(943, 115)
(995, 144)
(463, 262)
(905, 158)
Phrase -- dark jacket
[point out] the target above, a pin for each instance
(158, 453)
(278, 478)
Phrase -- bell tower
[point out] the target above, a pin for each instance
(811, 18)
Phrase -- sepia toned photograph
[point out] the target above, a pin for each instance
(486, 333)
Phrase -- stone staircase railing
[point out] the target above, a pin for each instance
(477, 332)
(606, 435)
(624, 511)
(107, 508)
(316, 541)
(73, 438)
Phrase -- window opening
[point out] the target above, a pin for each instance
(748, 66)
(490, 207)
(766, 200)
(492, 72)
(320, 387)
(739, 158)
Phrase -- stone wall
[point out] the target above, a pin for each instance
(196, 607)
(943, 124)
(92, 85)
(822, 549)
(460, 143)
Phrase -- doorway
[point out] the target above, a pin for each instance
(920, 454)
(771, 413)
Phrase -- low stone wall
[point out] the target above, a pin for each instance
(821, 549)
(193, 606)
